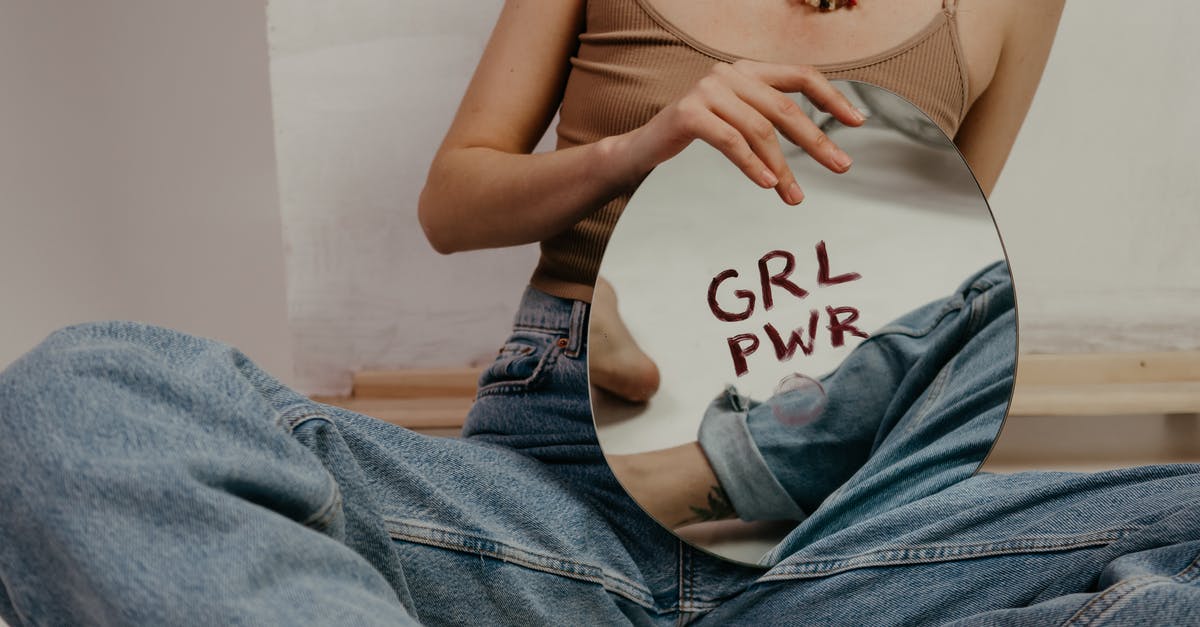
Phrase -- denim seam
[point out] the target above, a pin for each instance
(951, 307)
(687, 588)
(942, 553)
(679, 602)
(956, 302)
(936, 389)
(978, 312)
(478, 545)
(321, 518)
(1099, 605)
(297, 415)
(553, 330)
(576, 334)
(289, 419)
(543, 367)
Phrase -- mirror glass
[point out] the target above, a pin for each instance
(722, 284)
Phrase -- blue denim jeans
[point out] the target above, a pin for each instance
(149, 476)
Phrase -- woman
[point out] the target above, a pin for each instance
(635, 82)
(150, 477)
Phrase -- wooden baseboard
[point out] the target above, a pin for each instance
(1093, 384)
(418, 383)
(1107, 384)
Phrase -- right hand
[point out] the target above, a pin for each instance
(736, 108)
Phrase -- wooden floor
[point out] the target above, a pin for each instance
(1070, 412)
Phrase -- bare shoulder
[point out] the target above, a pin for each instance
(1020, 35)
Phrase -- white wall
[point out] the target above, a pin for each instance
(1097, 204)
(1100, 201)
(364, 90)
(137, 172)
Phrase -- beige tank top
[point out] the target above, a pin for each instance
(632, 62)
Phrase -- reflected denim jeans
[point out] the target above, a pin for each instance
(911, 410)
(149, 476)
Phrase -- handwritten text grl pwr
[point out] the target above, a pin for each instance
(840, 319)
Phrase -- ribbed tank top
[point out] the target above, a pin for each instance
(632, 62)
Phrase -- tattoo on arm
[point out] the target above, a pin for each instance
(717, 508)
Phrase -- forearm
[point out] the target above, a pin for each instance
(477, 197)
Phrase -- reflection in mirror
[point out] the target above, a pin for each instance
(796, 354)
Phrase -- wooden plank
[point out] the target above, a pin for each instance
(1107, 399)
(1095, 368)
(416, 383)
(1107, 384)
(1090, 384)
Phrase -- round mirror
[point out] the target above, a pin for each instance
(742, 302)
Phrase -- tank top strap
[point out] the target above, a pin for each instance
(950, 6)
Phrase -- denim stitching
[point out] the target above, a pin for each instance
(936, 388)
(952, 306)
(688, 601)
(679, 549)
(426, 534)
(556, 330)
(290, 423)
(321, 518)
(290, 419)
(1099, 605)
(539, 371)
(978, 312)
(942, 553)
(954, 303)
(578, 329)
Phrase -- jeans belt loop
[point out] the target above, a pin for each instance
(577, 333)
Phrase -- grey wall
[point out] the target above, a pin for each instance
(137, 172)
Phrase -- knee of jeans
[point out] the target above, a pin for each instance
(77, 381)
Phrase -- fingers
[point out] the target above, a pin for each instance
(808, 81)
(786, 114)
(738, 107)
(701, 122)
(759, 133)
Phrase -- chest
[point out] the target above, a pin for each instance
(787, 31)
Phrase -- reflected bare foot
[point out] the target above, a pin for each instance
(616, 363)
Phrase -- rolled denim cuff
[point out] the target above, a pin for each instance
(752, 488)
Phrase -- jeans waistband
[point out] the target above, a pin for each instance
(543, 311)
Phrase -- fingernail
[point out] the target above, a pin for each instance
(859, 115)
(794, 194)
(769, 179)
(842, 160)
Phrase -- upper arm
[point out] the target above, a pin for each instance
(989, 130)
(519, 82)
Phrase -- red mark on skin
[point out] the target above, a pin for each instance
(779, 278)
(721, 314)
(740, 352)
(839, 327)
(823, 278)
(796, 340)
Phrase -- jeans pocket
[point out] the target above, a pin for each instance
(523, 362)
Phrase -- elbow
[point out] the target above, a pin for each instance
(433, 224)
